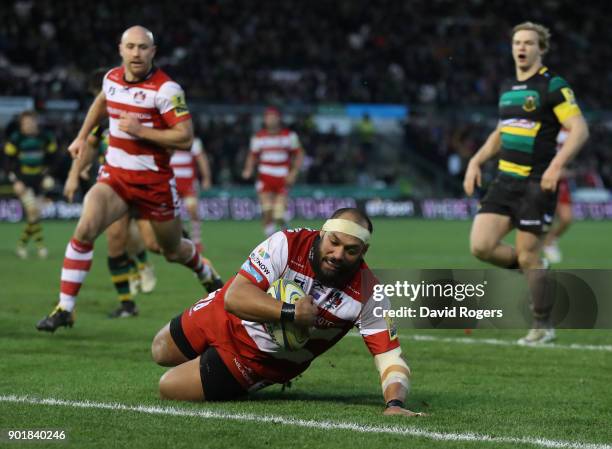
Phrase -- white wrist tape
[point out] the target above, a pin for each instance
(392, 369)
(347, 227)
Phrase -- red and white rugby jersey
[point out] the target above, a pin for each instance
(183, 162)
(158, 102)
(274, 151)
(285, 255)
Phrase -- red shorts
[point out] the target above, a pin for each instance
(157, 201)
(271, 184)
(564, 195)
(187, 187)
(205, 324)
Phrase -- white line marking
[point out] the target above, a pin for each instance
(497, 342)
(312, 424)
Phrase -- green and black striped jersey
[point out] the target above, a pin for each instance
(531, 113)
(31, 153)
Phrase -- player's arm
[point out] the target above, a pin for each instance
(473, 174)
(179, 136)
(380, 336)
(95, 114)
(569, 115)
(79, 165)
(296, 164)
(249, 302)
(11, 160)
(249, 165)
(204, 167)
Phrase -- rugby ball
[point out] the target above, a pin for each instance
(287, 335)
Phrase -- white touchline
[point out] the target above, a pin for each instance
(320, 425)
(498, 342)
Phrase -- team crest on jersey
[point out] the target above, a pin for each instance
(139, 96)
(111, 91)
(530, 103)
(334, 300)
(180, 105)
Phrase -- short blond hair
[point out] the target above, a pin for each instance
(543, 33)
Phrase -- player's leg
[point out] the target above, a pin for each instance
(266, 200)
(564, 220)
(205, 378)
(119, 265)
(487, 232)
(177, 249)
(102, 206)
(28, 201)
(191, 205)
(144, 272)
(535, 214)
(529, 248)
(279, 210)
(36, 230)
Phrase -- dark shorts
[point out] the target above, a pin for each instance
(529, 208)
(218, 382)
(33, 182)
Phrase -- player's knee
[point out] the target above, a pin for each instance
(172, 255)
(480, 249)
(159, 350)
(528, 259)
(167, 386)
(86, 231)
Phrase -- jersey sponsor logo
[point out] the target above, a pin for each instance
(263, 254)
(139, 96)
(262, 266)
(323, 323)
(530, 103)
(247, 267)
(531, 222)
(392, 328)
(180, 105)
(519, 87)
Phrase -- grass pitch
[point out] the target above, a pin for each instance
(477, 395)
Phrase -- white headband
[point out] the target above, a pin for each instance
(347, 227)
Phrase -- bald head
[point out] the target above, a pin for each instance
(138, 32)
(137, 49)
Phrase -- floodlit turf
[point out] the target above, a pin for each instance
(559, 394)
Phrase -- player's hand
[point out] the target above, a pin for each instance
(305, 311)
(205, 183)
(473, 177)
(77, 147)
(70, 187)
(395, 411)
(246, 174)
(129, 124)
(291, 178)
(550, 178)
(19, 188)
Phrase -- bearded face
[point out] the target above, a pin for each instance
(333, 267)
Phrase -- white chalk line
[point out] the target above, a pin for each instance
(499, 342)
(312, 424)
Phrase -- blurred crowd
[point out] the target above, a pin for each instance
(428, 54)
(241, 51)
